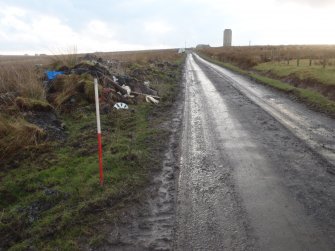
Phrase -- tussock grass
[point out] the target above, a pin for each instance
(66, 87)
(21, 89)
(29, 104)
(17, 134)
(68, 58)
(25, 80)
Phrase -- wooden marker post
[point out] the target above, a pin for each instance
(96, 90)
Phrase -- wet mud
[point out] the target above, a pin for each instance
(245, 169)
(249, 180)
(149, 224)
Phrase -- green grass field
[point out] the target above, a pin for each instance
(304, 71)
(263, 74)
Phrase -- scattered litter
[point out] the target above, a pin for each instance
(151, 99)
(143, 94)
(116, 86)
(127, 88)
(120, 105)
(53, 74)
(75, 84)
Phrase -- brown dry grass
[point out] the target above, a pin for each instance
(142, 56)
(249, 56)
(21, 88)
(25, 80)
(69, 58)
(23, 60)
(16, 134)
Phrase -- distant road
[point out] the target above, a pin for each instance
(256, 168)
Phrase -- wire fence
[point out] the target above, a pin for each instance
(249, 56)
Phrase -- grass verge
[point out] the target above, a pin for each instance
(310, 97)
(53, 200)
(304, 71)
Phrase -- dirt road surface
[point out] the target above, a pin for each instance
(256, 172)
(256, 168)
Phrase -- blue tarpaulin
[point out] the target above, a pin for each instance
(52, 74)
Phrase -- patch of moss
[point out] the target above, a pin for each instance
(88, 86)
(28, 104)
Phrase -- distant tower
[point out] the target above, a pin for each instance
(227, 36)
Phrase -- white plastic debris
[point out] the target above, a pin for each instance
(127, 88)
(151, 99)
(121, 106)
(115, 79)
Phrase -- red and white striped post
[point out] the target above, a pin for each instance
(96, 90)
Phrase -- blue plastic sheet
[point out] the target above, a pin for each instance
(53, 74)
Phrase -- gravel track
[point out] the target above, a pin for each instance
(254, 172)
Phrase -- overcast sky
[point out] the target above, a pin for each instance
(52, 26)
